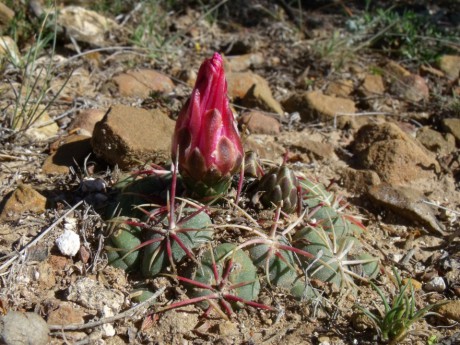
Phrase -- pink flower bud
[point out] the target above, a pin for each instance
(206, 137)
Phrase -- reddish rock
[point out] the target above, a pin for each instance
(359, 181)
(450, 310)
(240, 63)
(413, 88)
(314, 105)
(340, 88)
(314, 150)
(85, 121)
(450, 65)
(23, 199)
(127, 136)
(70, 151)
(141, 83)
(395, 156)
(259, 123)
(372, 85)
(452, 126)
(436, 142)
(66, 313)
(253, 91)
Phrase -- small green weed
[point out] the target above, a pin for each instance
(394, 322)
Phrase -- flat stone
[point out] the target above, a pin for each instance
(452, 125)
(252, 91)
(85, 121)
(259, 123)
(412, 88)
(450, 65)
(23, 328)
(6, 15)
(450, 310)
(43, 128)
(408, 203)
(314, 105)
(141, 83)
(436, 142)
(359, 181)
(395, 70)
(315, 150)
(65, 314)
(240, 63)
(85, 25)
(23, 199)
(340, 88)
(372, 85)
(127, 136)
(71, 150)
(395, 156)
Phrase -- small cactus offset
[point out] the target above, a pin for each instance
(279, 187)
(122, 245)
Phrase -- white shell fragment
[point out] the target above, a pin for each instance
(436, 284)
(68, 243)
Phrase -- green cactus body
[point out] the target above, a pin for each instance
(279, 185)
(369, 268)
(280, 273)
(124, 237)
(133, 191)
(155, 258)
(242, 271)
(327, 268)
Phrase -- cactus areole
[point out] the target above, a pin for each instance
(206, 138)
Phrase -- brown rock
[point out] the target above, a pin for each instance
(142, 82)
(265, 146)
(395, 156)
(71, 151)
(450, 64)
(253, 91)
(451, 310)
(85, 25)
(395, 70)
(240, 63)
(85, 121)
(66, 313)
(23, 199)
(408, 203)
(435, 141)
(314, 105)
(259, 123)
(452, 126)
(6, 15)
(128, 135)
(412, 87)
(359, 181)
(372, 85)
(340, 88)
(315, 150)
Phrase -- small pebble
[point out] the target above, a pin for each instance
(68, 243)
(435, 284)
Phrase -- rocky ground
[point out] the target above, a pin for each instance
(355, 106)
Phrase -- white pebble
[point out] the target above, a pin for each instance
(436, 284)
(68, 243)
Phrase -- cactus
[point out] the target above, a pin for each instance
(122, 245)
(230, 279)
(190, 232)
(333, 256)
(279, 187)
